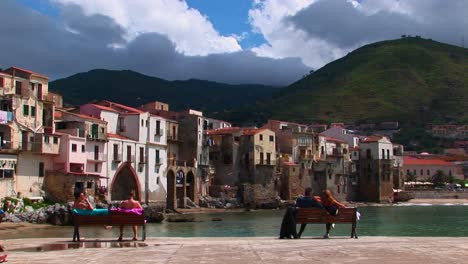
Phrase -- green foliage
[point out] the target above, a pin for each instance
(406, 79)
(411, 177)
(134, 89)
(440, 179)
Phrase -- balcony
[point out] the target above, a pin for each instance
(184, 163)
(7, 90)
(158, 162)
(267, 163)
(97, 157)
(96, 137)
(142, 160)
(117, 157)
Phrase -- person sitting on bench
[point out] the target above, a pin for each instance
(307, 201)
(130, 203)
(331, 205)
(82, 202)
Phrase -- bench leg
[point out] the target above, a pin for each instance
(143, 236)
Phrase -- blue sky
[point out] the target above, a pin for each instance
(230, 17)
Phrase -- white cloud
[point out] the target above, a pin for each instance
(192, 33)
(319, 31)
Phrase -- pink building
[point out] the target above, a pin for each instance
(424, 168)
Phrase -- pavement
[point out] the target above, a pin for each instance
(269, 250)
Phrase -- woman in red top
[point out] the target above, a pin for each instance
(331, 205)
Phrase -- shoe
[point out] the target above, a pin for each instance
(326, 236)
(135, 239)
(120, 238)
(333, 226)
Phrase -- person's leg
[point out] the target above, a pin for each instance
(327, 234)
(301, 230)
(121, 232)
(135, 232)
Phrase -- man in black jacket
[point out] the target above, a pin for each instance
(307, 201)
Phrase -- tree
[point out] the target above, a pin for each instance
(411, 177)
(440, 178)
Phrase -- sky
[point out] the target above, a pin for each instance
(272, 42)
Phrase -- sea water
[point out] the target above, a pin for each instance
(413, 220)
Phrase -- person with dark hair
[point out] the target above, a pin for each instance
(82, 202)
(130, 203)
(331, 205)
(307, 201)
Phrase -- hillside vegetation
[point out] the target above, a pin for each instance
(409, 79)
(134, 89)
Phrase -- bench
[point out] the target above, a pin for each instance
(321, 216)
(113, 218)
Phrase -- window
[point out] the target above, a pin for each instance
(83, 149)
(158, 127)
(421, 172)
(55, 140)
(368, 153)
(73, 147)
(142, 155)
(272, 138)
(428, 172)
(388, 154)
(261, 157)
(158, 161)
(142, 122)
(25, 110)
(116, 152)
(18, 86)
(407, 172)
(129, 153)
(46, 139)
(89, 185)
(41, 169)
(96, 167)
(261, 137)
(269, 159)
(2, 82)
(383, 153)
(31, 85)
(102, 130)
(146, 123)
(157, 180)
(450, 172)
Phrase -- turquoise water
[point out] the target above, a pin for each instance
(376, 221)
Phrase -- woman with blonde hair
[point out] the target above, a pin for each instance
(331, 205)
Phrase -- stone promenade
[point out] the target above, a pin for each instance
(364, 250)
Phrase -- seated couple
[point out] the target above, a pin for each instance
(82, 203)
(327, 201)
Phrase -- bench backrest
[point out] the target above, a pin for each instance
(316, 215)
(111, 219)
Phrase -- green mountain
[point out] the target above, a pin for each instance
(134, 89)
(409, 79)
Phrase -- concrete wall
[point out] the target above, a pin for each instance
(8, 185)
(28, 181)
(433, 194)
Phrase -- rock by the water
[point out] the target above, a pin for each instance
(180, 218)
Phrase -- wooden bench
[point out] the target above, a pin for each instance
(321, 216)
(113, 218)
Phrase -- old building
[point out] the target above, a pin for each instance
(424, 168)
(27, 140)
(376, 164)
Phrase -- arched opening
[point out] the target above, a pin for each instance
(190, 186)
(180, 189)
(125, 180)
(171, 190)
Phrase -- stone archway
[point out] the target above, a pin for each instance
(190, 186)
(125, 180)
(171, 190)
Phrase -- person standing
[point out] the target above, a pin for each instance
(130, 203)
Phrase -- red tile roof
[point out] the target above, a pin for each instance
(27, 71)
(102, 107)
(355, 148)
(110, 135)
(122, 107)
(371, 139)
(331, 139)
(250, 132)
(428, 162)
(223, 131)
